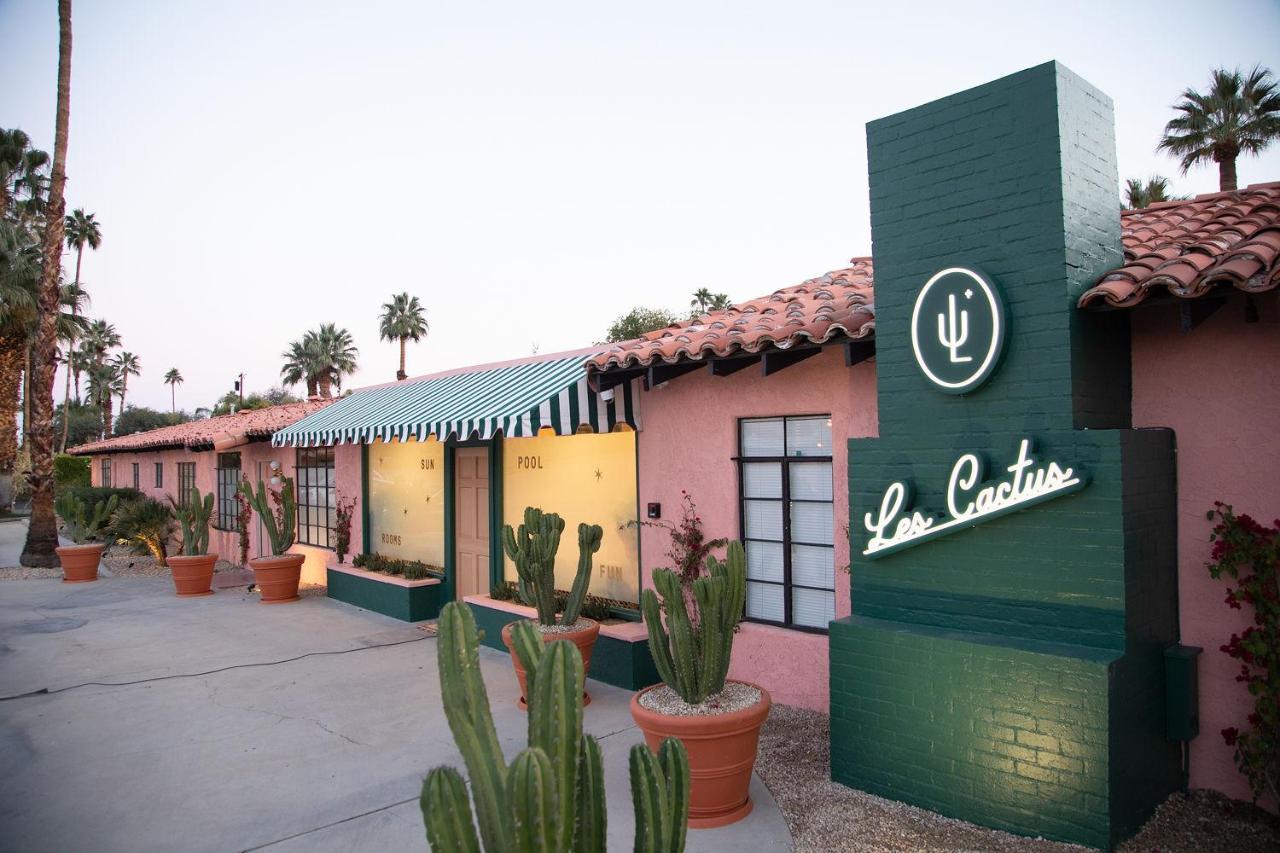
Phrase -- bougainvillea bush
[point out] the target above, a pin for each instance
(1247, 554)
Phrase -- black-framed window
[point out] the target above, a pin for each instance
(186, 482)
(106, 473)
(137, 476)
(228, 482)
(159, 475)
(316, 485)
(788, 519)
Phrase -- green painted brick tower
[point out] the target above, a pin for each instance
(1003, 662)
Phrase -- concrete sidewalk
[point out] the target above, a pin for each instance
(220, 724)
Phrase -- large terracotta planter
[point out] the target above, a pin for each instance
(192, 576)
(585, 640)
(722, 754)
(277, 577)
(80, 562)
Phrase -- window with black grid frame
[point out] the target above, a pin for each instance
(788, 519)
(106, 473)
(316, 487)
(228, 482)
(186, 482)
(137, 476)
(159, 475)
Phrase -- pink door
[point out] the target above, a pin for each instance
(471, 493)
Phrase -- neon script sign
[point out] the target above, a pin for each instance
(970, 500)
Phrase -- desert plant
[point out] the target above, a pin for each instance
(280, 521)
(551, 797)
(193, 519)
(144, 523)
(344, 509)
(533, 549)
(693, 656)
(81, 523)
(70, 471)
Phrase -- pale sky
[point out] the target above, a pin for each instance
(530, 170)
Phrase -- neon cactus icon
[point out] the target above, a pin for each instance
(953, 331)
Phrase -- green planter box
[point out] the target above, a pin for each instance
(412, 601)
(621, 656)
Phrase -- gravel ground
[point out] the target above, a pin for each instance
(123, 563)
(735, 697)
(794, 762)
(23, 573)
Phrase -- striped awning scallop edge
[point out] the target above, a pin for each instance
(512, 401)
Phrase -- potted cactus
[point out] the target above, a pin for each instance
(717, 720)
(533, 549)
(81, 524)
(193, 568)
(551, 797)
(277, 576)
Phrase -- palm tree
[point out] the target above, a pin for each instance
(173, 379)
(126, 364)
(19, 281)
(23, 178)
(103, 384)
(82, 230)
(403, 319)
(42, 532)
(320, 359)
(1240, 114)
(1138, 194)
(99, 338)
(704, 300)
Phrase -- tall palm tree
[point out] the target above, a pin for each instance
(82, 230)
(403, 319)
(42, 531)
(23, 176)
(103, 385)
(1139, 194)
(99, 338)
(704, 300)
(173, 379)
(320, 359)
(1240, 114)
(126, 364)
(19, 281)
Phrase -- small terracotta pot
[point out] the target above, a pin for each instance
(80, 562)
(277, 577)
(585, 640)
(192, 575)
(722, 754)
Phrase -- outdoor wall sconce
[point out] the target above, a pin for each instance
(275, 473)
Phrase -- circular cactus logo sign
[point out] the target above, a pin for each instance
(958, 329)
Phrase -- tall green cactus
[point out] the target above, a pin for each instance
(193, 519)
(81, 523)
(693, 659)
(280, 529)
(551, 797)
(533, 549)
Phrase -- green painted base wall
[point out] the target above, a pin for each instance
(412, 604)
(617, 662)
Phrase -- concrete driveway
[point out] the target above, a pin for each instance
(133, 720)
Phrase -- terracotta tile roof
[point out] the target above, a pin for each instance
(1189, 248)
(816, 311)
(209, 433)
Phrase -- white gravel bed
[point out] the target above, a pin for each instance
(26, 573)
(580, 625)
(735, 697)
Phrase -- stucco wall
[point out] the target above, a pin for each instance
(226, 544)
(688, 441)
(1216, 387)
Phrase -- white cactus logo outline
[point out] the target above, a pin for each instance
(953, 331)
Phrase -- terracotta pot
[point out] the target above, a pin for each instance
(192, 575)
(722, 753)
(277, 577)
(585, 640)
(80, 562)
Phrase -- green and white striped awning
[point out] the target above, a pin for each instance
(513, 400)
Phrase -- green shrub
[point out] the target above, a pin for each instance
(70, 471)
(144, 523)
(91, 495)
(593, 606)
(411, 569)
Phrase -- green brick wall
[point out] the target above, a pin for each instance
(1010, 674)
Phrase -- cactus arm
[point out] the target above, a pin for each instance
(684, 643)
(527, 641)
(649, 798)
(659, 642)
(532, 793)
(589, 537)
(446, 811)
(466, 707)
(555, 726)
(673, 758)
(592, 820)
(713, 664)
